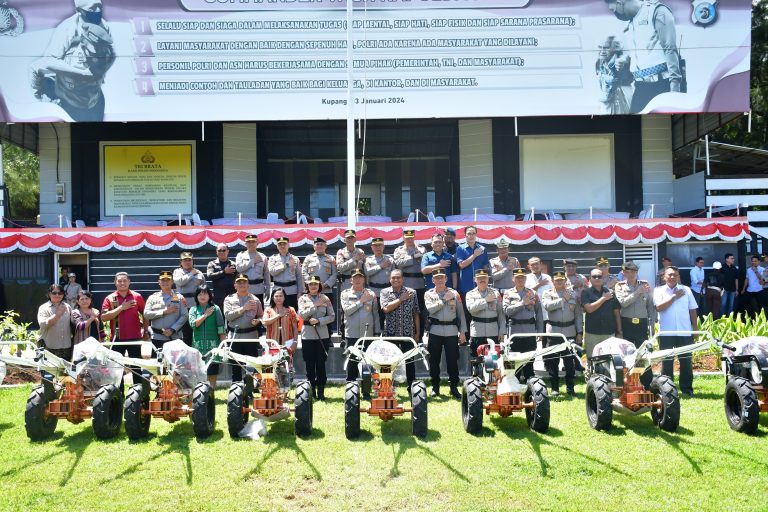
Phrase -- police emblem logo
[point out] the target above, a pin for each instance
(704, 12)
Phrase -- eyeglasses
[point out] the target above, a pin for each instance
(222, 250)
(596, 277)
(57, 293)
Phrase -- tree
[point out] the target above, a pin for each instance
(22, 181)
(736, 131)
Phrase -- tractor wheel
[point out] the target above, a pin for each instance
(538, 417)
(203, 410)
(599, 402)
(38, 426)
(236, 418)
(419, 424)
(107, 412)
(303, 412)
(668, 417)
(472, 405)
(136, 424)
(741, 407)
(352, 410)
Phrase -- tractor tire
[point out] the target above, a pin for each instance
(236, 400)
(472, 405)
(37, 425)
(741, 406)
(203, 410)
(136, 424)
(668, 417)
(352, 410)
(599, 400)
(419, 423)
(303, 409)
(538, 417)
(107, 412)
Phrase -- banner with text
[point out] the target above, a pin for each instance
(153, 60)
(147, 179)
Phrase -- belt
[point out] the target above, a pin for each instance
(255, 281)
(643, 74)
(491, 320)
(158, 339)
(634, 320)
(189, 295)
(412, 274)
(379, 286)
(520, 322)
(435, 321)
(284, 284)
(246, 330)
(562, 324)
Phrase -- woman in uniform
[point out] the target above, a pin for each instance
(317, 312)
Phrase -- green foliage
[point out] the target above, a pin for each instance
(11, 329)
(734, 327)
(22, 179)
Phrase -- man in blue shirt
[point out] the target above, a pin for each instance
(471, 257)
(439, 258)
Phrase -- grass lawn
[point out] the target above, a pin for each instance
(704, 466)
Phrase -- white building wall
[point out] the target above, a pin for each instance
(476, 165)
(658, 179)
(240, 169)
(50, 208)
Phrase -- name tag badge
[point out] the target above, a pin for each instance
(635, 321)
(327, 269)
(368, 307)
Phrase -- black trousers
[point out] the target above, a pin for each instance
(467, 314)
(315, 353)
(246, 349)
(435, 346)
(686, 363)
(525, 344)
(636, 333)
(645, 92)
(422, 307)
(186, 333)
(474, 359)
(134, 352)
(552, 364)
(352, 370)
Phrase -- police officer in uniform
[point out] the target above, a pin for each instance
(502, 267)
(408, 259)
(609, 280)
(485, 305)
(285, 272)
(348, 258)
(638, 314)
(187, 278)
(316, 310)
(323, 266)
(446, 330)
(361, 310)
(522, 308)
(243, 312)
(377, 269)
(166, 312)
(564, 317)
(576, 282)
(253, 264)
(222, 272)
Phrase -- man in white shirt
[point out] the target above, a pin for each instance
(752, 291)
(677, 312)
(697, 281)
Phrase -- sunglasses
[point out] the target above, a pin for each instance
(596, 277)
(222, 250)
(57, 293)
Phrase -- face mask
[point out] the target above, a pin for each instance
(91, 17)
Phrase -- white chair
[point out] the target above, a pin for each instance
(431, 217)
(272, 218)
(197, 221)
(79, 224)
(302, 219)
(318, 220)
(411, 217)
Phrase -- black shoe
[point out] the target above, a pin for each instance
(688, 394)
(321, 394)
(455, 392)
(435, 392)
(571, 392)
(367, 396)
(555, 393)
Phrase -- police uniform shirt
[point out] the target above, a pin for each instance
(319, 307)
(651, 44)
(239, 319)
(501, 272)
(254, 266)
(378, 276)
(346, 262)
(564, 315)
(577, 282)
(187, 281)
(283, 276)
(634, 302)
(358, 315)
(487, 317)
(153, 312)
(520, 314)
(323, 267)
(411, 267)
(610, 281)
(444, 308)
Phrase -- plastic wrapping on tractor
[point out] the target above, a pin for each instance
(95, 365)
(384, 353)
(185, 362)
(751, 346)
(614, 346)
